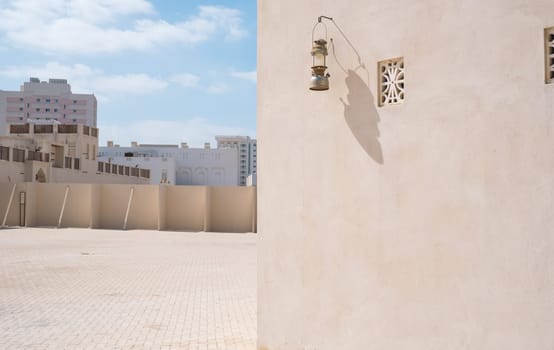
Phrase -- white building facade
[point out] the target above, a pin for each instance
(46, 101)
(178, 165)
(247, 155)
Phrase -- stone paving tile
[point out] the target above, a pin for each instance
(103, 289)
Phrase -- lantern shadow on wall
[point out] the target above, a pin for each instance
(360, 111)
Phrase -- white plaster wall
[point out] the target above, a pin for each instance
(12, 171)
(426, 225)
(193, 166)
(156, 165)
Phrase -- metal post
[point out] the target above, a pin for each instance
(9, 205)
(63, 207)
(22, 208)
(128, 207)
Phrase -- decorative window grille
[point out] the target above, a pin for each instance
(391, 81)
(549, 55)
(145, 173)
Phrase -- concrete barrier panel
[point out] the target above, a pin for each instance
(144, 210)
(78, 208)
(49, 201)
(231, 209)
(14, 211)
(185, 208)
(112, 205)
(152, 207)
(95, 197)
(162, 199)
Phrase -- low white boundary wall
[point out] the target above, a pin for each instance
(152, 207)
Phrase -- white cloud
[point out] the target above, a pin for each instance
(216, 89)
(136, 84)
(93, 27)
(250, 76)
(84, 79)
(185, 79)
(195, 131)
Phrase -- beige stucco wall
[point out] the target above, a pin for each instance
(12, 171)
(426, 225)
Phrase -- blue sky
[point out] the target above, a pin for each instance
(163, 71)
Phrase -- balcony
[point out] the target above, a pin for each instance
(43, 129)
(19, 129)
(67, 129)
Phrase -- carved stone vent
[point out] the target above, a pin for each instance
(391, 81)
(549, 54)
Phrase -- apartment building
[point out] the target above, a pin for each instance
(247, 155)
(46, 101)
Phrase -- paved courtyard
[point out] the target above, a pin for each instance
(102, 289)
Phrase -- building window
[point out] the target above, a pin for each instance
(47, 110)
(20, 108)
(55, 109)
(38, 99)
(4, 153)
(549, 54)
(47, 100)
(18, 155)
(74, 101)
(38, 109)
(391, 81)
(21, 99)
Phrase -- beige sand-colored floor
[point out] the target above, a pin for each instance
(103, 289)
